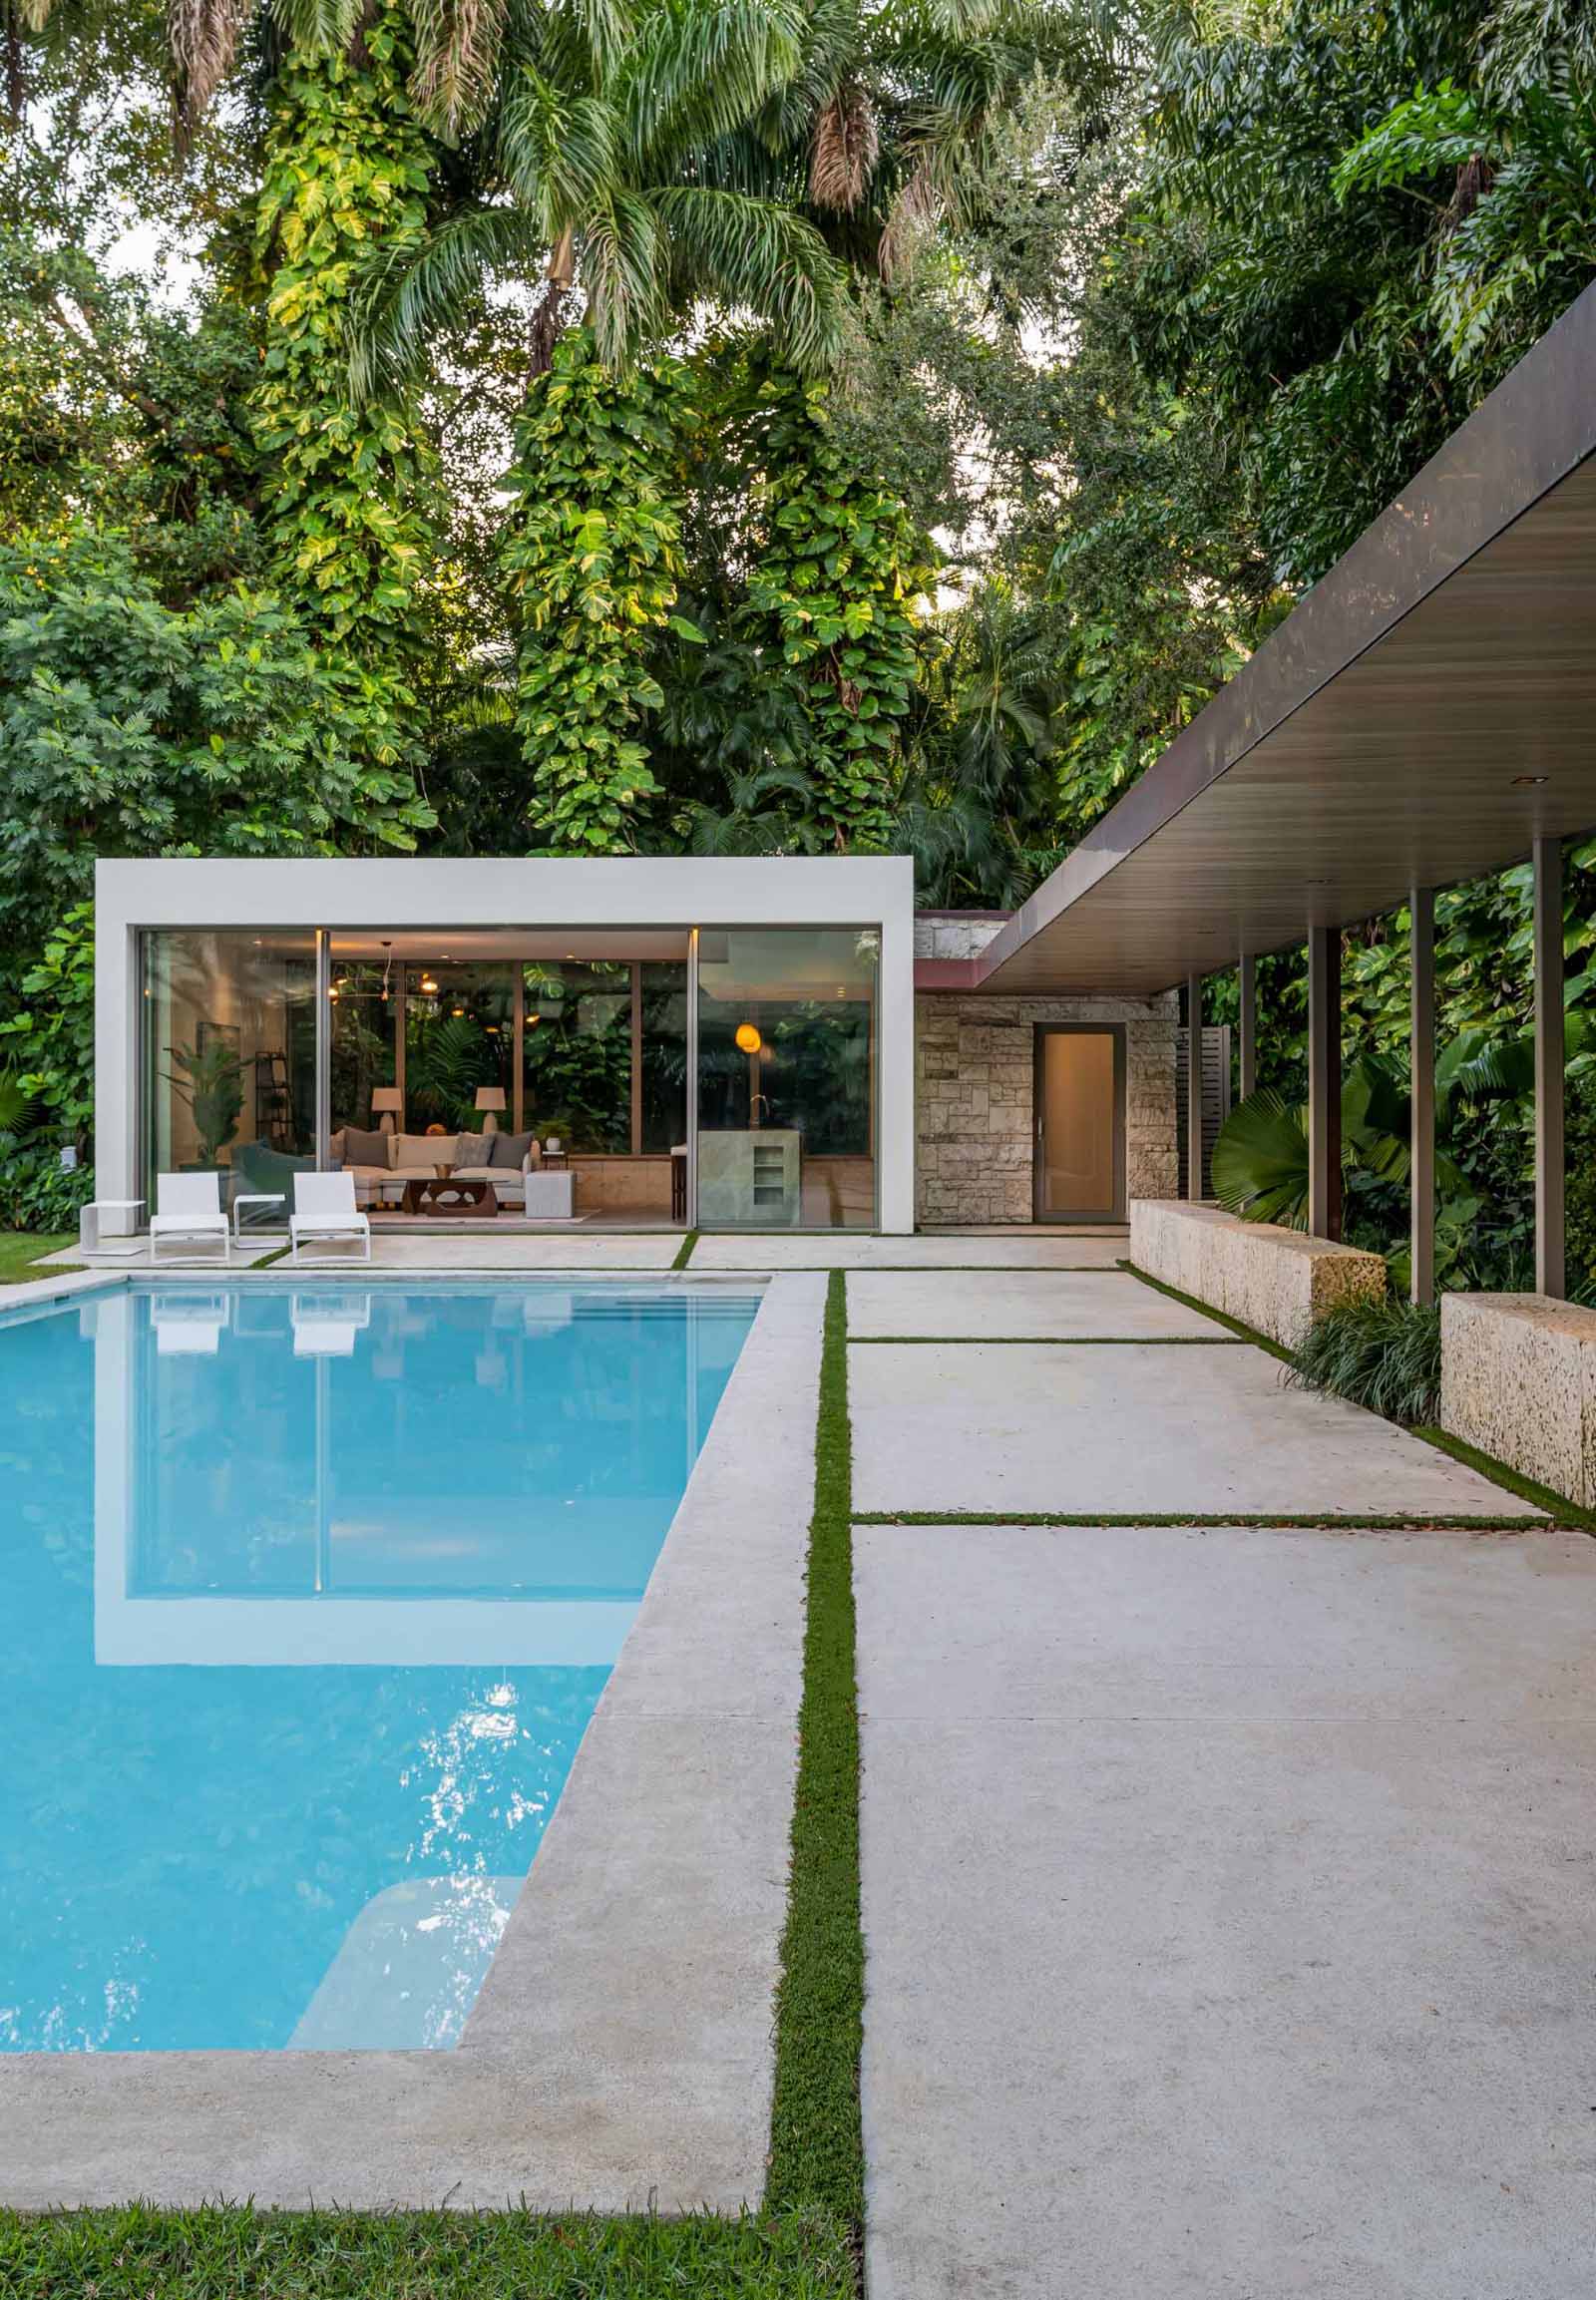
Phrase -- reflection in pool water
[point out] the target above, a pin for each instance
(312, 1593)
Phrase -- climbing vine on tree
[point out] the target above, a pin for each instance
(593, 557)
(837, 567)
(345, 174)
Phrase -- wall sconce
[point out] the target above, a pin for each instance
(748, 1038)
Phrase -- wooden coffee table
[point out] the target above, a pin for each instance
(448, 1195)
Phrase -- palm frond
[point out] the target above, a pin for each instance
(696, 74)
(624, 262)
(409, 295)
(1260, 1162)
(318, 27)
(846, 147)
(914, 209)
(457, 44)
(606, 27)
(203, 35)
(555, 148)
(754, 252)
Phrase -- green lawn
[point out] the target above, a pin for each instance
(232, 2253)
(20, 1248)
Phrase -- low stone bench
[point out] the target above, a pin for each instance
(1519, 1379)
(1278, 1281)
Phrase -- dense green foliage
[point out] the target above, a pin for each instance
(348, 486)
(835, 570)
(592, 556)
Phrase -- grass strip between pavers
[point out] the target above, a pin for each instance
(684, 1250)
(817, 2156)
(1557, 1506)
(1234, 1325)
(1346, 1521)
(1045, 1341)
(804, 2244)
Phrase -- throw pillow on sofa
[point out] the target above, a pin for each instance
(361, 1149)
(509, 1150)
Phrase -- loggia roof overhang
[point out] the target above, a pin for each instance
(1394, 730)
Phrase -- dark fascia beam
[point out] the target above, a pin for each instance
(1536, 427)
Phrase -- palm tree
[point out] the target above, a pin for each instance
(892, 118)
(593, 177)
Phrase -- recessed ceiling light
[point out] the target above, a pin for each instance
(1528, 782)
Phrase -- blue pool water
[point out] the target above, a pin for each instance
(309, 1592)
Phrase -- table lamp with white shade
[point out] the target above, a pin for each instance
(490, 1100)
(386, 1104)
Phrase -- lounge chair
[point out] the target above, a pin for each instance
(325, 1209)
(190, 1213)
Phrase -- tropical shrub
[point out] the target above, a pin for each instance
(129, 727)
(1383, 1355)
(48, 1047)
(38, 1193)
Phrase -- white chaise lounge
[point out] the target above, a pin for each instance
(325, 1212)
(190, 1213)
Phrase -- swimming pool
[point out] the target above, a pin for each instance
(311, 1592)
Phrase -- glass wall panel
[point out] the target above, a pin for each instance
(786, 1077)
(577, 1054)
(664, 1055)
(364, 1003)
(230, 1057)
(460, 1026)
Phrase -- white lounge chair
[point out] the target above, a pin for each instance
(325, 1209)
(190, 1213)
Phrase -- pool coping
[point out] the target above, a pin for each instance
(621, 2052)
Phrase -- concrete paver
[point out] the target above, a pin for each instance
(859, 1250)
(1226, 1897)
(1139, 1430)
(1048, 1305)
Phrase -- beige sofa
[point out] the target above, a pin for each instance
(417, 1157)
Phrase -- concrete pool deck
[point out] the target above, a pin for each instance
(1226, 1889)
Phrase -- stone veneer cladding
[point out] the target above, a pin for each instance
(974, 1086)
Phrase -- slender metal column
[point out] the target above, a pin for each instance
(1548, 904)
(636, 1058)
(1194, 1088)
(1421, 1062)
(1247, 980)
(517, 1047)
(692, 1079)
(323, 1045)
(1324, 1081)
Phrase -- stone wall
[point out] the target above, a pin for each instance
(1518, 1380)
(956, 933)
(1276, 1281)
(975, 1099)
